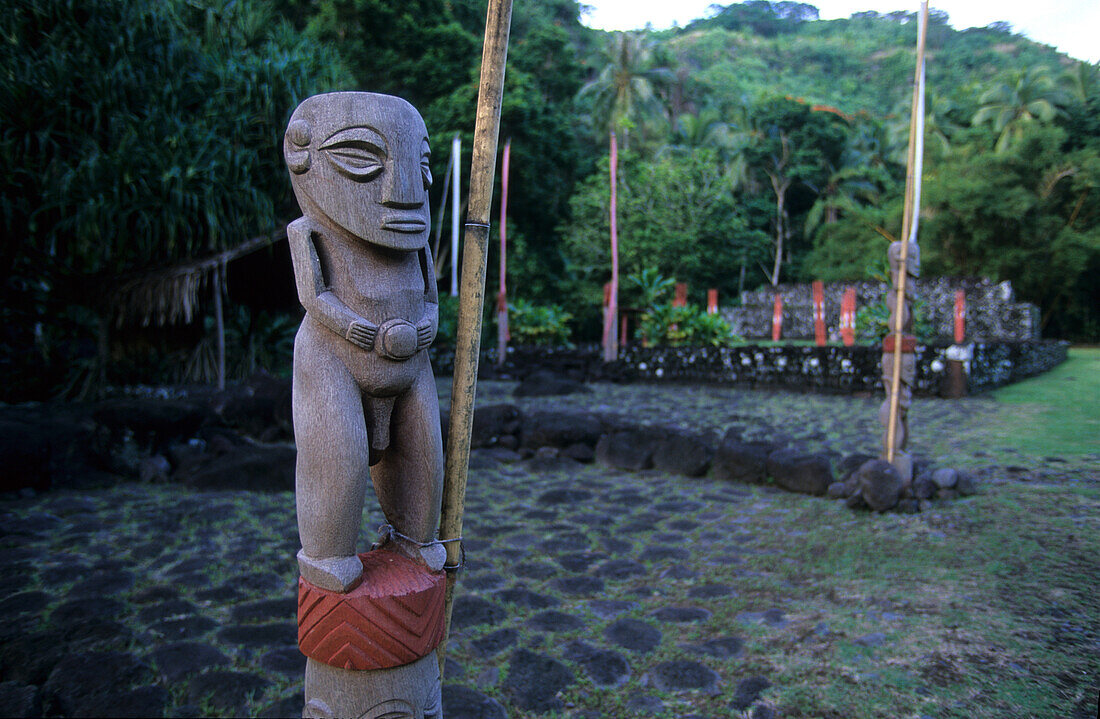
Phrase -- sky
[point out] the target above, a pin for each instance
(1072, 26)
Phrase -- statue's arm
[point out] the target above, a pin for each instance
(426, 329)
(318, 300)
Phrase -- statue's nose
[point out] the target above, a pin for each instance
(403, 185)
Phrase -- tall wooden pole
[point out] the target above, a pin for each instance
(472, 298)
(611, 335)
(909, 236)
(502, 297)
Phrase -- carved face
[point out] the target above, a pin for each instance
(359, 161)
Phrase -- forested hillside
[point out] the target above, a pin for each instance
(758, 145)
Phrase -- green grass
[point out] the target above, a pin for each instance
(1057, 413)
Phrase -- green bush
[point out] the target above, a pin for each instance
(873, 322)
(686, 326)
(531, 324)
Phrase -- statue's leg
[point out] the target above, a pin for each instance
(409, 478)
(332, 468)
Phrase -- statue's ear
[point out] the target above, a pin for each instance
(296, 146)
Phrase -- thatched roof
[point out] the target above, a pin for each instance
(171, 295)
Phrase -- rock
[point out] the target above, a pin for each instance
(630, 449)
(470, 611)
(560, 429)
(605, 668)
(880, 485)
(90, 684)
(947, 494)
(24, 455)
(167, 610)
(684, 454)
(19, 700)
(534, 681)
(620, 569)
(737, 461)
(23, 603)
(799, 472)
(547, 384)
(748, 691)
(154, 423)
(711, 591)
(966, 485)
(554, 621)
(265, 610)
(176, 660)
(256, 468)
(258, 407)
(30, 658)
(495, 642)
(259, 635)
(874, 639)
(580, 453)
(720, 647)
(494, 422)
(579, 585)
(610, 608)
(634, 635)
(945, 478)
(923, 486)
(154, 470)
(224, 691)
(909, 506)
(837, 490)
(852, 462)
(564, 496)
(761, 711)
(523, 597)
(465, 703)
(644, 705)
(684, 675)
(681, 614)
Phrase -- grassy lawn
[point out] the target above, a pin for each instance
(1057, 413)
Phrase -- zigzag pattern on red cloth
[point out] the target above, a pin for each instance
(394, 617)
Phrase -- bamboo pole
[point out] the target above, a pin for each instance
(219, 325)
(502, 297)
(472, 297)
(909, 227)
(456, 159)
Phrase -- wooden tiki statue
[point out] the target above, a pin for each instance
(365, 407)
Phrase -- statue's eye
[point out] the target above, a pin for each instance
(426, 171)
(357, 160)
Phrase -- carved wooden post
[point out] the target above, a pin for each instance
(819, 313)
(680, 296)
(777, 318)
(712, 301)
(848, 316)
(365, 407)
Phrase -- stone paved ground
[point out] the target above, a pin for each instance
(589, 592)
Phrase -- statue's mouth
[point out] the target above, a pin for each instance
(404, 224)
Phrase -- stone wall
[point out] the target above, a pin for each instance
(799, 368)
(993, 315)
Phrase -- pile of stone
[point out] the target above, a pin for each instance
(877, 485)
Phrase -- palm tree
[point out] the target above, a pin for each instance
(1025, 97)
(846, 186)
(1082, 81)
(624, 93)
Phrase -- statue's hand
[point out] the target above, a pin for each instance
(426, 330)
(362, 334)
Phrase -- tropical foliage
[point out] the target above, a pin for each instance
(761, 145)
